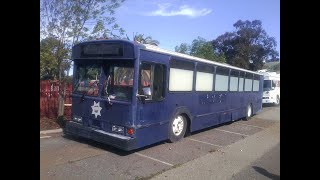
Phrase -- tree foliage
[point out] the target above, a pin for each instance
(72, 21)
(75, 20)
(201, 48)
(272, 66)
(49, 52)
(146, 40)
(246, 47)
(183, 48)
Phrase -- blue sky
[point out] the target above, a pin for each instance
(173, 22)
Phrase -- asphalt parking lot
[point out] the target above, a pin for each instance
(72, 158)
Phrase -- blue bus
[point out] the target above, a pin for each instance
(130, 95)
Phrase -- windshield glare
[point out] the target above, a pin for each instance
(117, 80)
(87, 79)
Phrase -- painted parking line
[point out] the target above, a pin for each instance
(250, 125)
(204, 142)
(231, 132)
(41, 137)
(153, 159)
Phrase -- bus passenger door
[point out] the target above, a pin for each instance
(151, 103)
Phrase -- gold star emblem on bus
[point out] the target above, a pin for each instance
(96, 109)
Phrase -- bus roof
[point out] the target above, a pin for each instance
(164, 51)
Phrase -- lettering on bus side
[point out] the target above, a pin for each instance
(207, 77)
(212, 98)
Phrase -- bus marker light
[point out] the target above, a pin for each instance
(130, 131)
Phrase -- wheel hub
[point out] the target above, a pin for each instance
(177, 125)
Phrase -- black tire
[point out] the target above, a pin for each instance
(248, 112)
(177, 128)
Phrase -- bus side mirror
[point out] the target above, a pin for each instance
(147, 91)
(142, 98)
(146, 94)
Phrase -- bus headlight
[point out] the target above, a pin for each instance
(77, 119)
(117, 129)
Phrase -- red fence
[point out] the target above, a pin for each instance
(49, 96)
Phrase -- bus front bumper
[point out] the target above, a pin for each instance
(122, 142)
(267, 101)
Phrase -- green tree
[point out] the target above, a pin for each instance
(48, 58)
(183, 48)
(246, 47)
(272, 66)
(145, 40)
(70, 21)
(201, 48)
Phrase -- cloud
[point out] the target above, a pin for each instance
(184, 10)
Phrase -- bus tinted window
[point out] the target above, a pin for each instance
(181, 64)
(101, 50)
(256, 82)
(234, 77)
(158, 82)
(222, 79)
(145, 75)
(181, 75)
(248, 82)
(241, 81)
(204, 79)
(152, 77)
(180, 80)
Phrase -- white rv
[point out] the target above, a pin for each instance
(271, 87)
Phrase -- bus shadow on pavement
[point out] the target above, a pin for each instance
(97, 145)
(266, 173)
(269, 105)
(106, 147)
(212, 127)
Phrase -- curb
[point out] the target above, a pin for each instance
(51, 131)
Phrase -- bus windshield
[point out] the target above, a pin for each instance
(119, 82)
(267, 85)
(87, 79)
(117, 79)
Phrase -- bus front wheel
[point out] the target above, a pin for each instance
(177, 128)
(248, 112)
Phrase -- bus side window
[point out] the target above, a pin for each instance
(152, 81)
(158, 82)
(145, 80)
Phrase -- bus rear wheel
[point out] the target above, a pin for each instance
(177, 128)
(248, 112)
